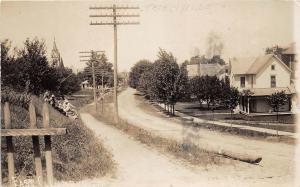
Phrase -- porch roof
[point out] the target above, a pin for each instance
(270, 91)
(85, 82)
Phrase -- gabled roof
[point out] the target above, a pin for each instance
(252, 65)
(241, 65)
(259, 63)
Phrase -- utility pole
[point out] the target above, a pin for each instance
(102, 73)
(115, 22)
(91, 53)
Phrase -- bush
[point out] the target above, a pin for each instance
(13, 97)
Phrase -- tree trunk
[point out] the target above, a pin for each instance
(231, 118)
(277, 122)
(173, 110)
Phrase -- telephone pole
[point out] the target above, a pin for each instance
(89, 54)
(115, 22)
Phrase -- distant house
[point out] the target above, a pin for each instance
(201, 66)
(262, 76)
(85, 84)
(288, 56)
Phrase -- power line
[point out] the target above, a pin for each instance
(115, 23)
(91, 52)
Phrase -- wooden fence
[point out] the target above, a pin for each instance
(9, 132)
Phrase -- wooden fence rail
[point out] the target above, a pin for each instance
(9, 132)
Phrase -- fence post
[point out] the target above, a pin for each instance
(10, 147)
(48, 153)
(36, 146)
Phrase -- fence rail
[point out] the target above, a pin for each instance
(9, 132)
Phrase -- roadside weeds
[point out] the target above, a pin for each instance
(187, 152)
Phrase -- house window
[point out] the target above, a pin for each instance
(243, 79)
(273, 81)
(273, 67)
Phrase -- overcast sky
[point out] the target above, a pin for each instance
(244, 28)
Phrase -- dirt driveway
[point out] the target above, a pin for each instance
(276, 168)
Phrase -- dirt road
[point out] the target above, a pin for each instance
(276, 168)
(138, 165)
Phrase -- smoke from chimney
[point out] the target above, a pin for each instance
(214, 45)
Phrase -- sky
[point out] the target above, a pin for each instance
(244, 28)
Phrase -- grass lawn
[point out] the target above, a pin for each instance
(194, 109)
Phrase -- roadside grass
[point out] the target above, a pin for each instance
(267, 125)
(246, 133)
(81, 98)
(76, 156)
(184, 151)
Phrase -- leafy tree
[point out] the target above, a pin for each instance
(274, 50)
(27, 70)
(68, 82)
(8, 66)
(182, 84)
(197, 89)
(208, 89)
(231, 98)
(136, 72)
(216, 59)
(146, 83)
(102, 68)
(213, 90)
(276, 100)
(168, 80)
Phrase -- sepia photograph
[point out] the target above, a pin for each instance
(150, 93)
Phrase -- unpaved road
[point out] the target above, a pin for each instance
(276, 168)
(140, 166)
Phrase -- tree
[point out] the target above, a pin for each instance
(145, 84)
(168, 80)
(136, 72)
(68, 82)
(276, 100)
(216, 59)
(9, 77)
(231, 99)
(103, 69)
(182, 89)
(274, 50)
(197, 89)
(27, 70)
(213, 90)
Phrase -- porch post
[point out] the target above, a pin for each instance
(243, 103)
(248, 105)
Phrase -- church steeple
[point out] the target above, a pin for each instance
(56, 60)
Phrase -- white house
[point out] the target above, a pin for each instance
(262, 76)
